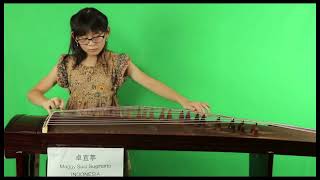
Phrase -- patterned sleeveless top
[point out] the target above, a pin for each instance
(93, 86)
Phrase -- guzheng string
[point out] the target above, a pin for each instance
(144, 115)
(135, 115)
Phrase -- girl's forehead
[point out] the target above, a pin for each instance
(92, 33)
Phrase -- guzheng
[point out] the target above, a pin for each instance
(153, 128)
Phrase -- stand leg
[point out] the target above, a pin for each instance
(126, 164)
(27, 164)
(260, 164)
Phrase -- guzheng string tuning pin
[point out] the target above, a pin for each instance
(188, 115)
(203, 120)
(128, 114)
(169, 115)
(144, 114)
(241, 127)
(139, 116)
(181, 116)
(232, 126)
(151, 115)
(254, 129)
(218, 124)
(161, 114)
(197, 118)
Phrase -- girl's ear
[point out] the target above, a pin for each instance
(72, 35)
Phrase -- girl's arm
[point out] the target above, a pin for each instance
(36, 94)
(161, 89)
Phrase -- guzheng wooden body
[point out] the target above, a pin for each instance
(150, 128)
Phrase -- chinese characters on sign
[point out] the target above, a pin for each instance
(85, 157)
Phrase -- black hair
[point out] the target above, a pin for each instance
(84, 21)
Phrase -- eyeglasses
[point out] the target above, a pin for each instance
(85, 41)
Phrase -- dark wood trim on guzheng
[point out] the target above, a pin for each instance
(24, 140)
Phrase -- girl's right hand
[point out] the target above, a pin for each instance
(53, 103)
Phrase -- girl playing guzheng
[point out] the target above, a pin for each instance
(93, 73)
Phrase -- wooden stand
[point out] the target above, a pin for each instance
(260, 164)
(27, 164)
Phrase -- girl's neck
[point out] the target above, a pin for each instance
(90, 61)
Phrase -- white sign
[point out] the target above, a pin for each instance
(74, 161)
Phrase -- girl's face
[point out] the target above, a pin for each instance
(92, 43)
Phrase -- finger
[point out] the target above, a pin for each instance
(62, 104)
(205, 108)
(191, 108)
(48, 108)
(203, 111)
(57, 102)
(200, 109)
(52, 105)
(196, 109)
(205, 105)
(55, 98)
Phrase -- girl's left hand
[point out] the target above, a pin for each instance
(197, 107)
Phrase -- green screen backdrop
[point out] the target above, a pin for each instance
(254, 61)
